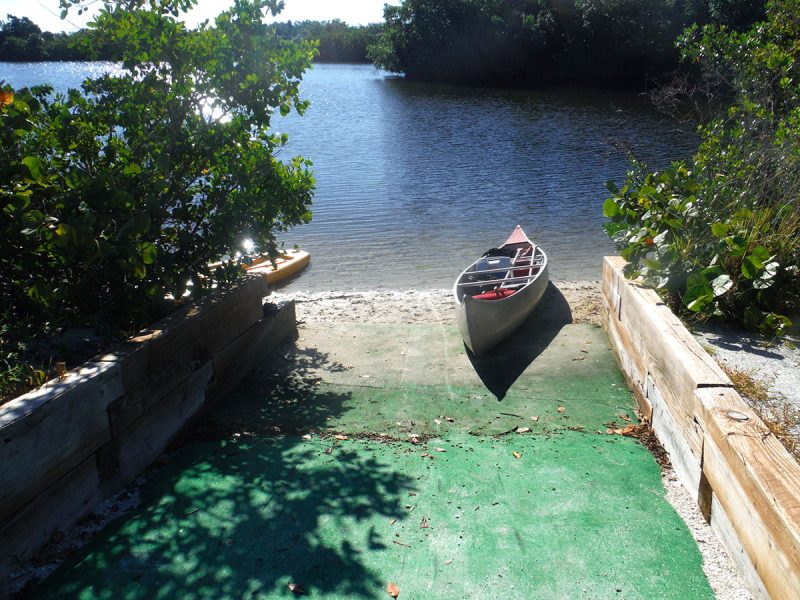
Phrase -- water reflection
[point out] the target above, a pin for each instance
(61, 75)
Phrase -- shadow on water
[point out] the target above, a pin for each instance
(243, 508)
(501, 367)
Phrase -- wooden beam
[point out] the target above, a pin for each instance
(164, 355)
(233, 362)
(630, 360)
(49, 431)
(56, 507)
(148, 437)
(685, 459)
(758, 483)
(675, 361)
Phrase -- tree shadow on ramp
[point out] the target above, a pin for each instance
(502, 366)
(246, 505)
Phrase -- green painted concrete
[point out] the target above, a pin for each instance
(253, 505)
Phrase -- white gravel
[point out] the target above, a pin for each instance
(722, 574)
(774, 363)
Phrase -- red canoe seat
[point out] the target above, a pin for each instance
(497, 294)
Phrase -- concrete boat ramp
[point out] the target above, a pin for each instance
(362, 460)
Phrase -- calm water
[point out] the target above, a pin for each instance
(415, 180)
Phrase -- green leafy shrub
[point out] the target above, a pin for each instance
(114, 199)
(719, 233)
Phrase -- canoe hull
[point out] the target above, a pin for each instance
(485, 323)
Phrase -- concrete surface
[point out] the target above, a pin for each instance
(364, 455)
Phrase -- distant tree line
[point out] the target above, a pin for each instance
(520, 42)
(338, 41)
(21, 40)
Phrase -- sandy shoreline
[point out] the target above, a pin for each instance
(421, 306)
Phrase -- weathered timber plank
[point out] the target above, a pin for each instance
(612, 276)
(706, 371)
(143, 442)
(162, 356)
(676, 372)
(652, 339)
(683, 359)
(685, 461)
(233, 362)
(59, 506)
(613, 263)
(774, 564)
(630, 362)
(725, 532)
(750, 461)
(45, 433)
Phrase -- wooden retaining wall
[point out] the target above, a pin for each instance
(72, 443)
(745, 482)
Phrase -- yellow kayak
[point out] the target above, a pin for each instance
(286, 264)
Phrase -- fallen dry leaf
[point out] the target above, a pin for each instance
(437, 421)
(625, 418)
(307, 436)
(561, 409)
(523, 430)
(517, 454)
(393, 590)
(535, 419)
(628, 430)
(449, 419)
(340, 436)
(610, 431)
(424, 523)
(297, 589)
(439, 450)
(447, 562)
(579, 358)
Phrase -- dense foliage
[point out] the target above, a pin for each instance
(719, 233)
(524, 42)
(338, 41)
(114, 198)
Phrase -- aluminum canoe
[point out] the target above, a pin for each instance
(515, 286)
